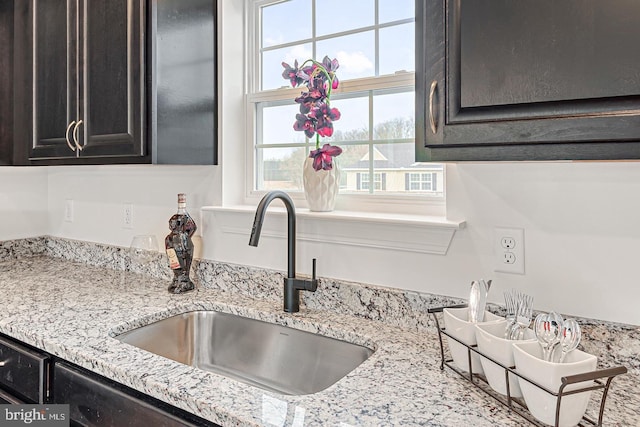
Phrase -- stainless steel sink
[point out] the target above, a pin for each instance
(270, 356)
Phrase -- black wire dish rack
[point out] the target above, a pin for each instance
(596, 380)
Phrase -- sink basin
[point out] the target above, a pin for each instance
(273, 357)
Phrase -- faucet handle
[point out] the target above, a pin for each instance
(313, 284)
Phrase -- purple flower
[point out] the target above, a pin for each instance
(331, 65)
(316, 117)
(308, 99)
(305, 73)
(291, 73)
(304, 123)
(323, 157)
(324, 116)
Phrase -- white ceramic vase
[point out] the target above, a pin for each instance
(320, 187)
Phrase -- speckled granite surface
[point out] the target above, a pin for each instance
(72, 309)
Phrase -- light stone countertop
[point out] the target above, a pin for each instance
(72, 310)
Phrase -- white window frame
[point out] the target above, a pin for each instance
(357, 201)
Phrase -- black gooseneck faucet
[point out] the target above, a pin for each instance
(292, 285)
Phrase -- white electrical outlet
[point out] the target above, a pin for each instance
(68, 210)
(127, 215)
(509, 250)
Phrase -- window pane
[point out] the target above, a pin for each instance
(280, 168)
(333, 16)
(393, 10)
(389, 157)
(393, 116)
(355, 53)
(397, 50)
(278, 27)
(277, 125)
(353, 162)
(272, 64)
(353, 124)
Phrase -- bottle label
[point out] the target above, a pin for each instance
(174, 263)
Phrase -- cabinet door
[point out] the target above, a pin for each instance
(528, 80)
(54, 74)
(112, 80)
(6, 86)
(23, 374)
(97, 401)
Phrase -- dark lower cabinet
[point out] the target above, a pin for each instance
(31, 376)
(97, 401)
(527, 79)
(24, 373)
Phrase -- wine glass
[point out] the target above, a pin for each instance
(143, 249)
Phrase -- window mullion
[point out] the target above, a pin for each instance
(313, 29)
(371, 146)
(376, 51)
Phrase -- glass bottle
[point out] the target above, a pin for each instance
(179, 247)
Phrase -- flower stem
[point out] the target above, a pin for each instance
(321, 69)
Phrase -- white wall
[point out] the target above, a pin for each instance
(23, 202)
(100, 192)
(582, 239)
(582, 235)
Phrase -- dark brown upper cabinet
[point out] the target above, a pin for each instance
(183, 67)
(6, 83)
(82, 96)
(527, 80)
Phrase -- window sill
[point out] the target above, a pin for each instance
(412, 233)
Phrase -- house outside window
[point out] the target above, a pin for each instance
(373, 41)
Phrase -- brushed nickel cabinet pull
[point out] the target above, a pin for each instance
(3, 363)
(75, 135)
(66, 135)
(432, 119)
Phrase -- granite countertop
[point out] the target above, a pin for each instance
(73, 310)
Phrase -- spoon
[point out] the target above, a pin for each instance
(478, 300)
(548, 329)
(570, 337)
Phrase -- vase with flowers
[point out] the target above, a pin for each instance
(321, 175)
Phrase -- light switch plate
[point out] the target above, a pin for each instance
(508, 244)
(127, 215)
(68, 210)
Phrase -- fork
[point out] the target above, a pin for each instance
(511, 306)
(523, 316)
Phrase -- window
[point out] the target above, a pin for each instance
(364, 183)
(421, 181)
(373, 41)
